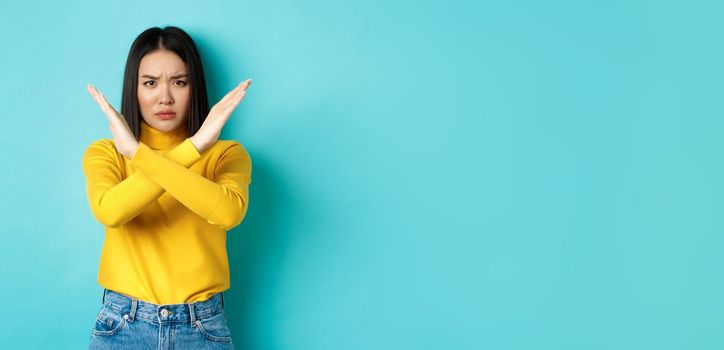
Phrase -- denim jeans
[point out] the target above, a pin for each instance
(128, 323)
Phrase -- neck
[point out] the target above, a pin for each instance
(161, 140)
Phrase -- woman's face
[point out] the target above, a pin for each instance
(163, 87)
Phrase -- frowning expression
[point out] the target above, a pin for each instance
(163, 90)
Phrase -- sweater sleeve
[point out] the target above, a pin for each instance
(113, 200)
(221, 200)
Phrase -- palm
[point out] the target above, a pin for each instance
(124, 139)
(219, 115)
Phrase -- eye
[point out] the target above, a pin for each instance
(181, 82)
(151, 83)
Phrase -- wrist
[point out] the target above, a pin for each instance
(196, 143)
(133, 152)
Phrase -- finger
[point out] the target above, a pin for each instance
(236, 91)
(103, 103)
(103, 99)
(231, 104)
(97, 96)
(239, 94)
(94, 93)
(236, 101)
(231, 94)
(91, 91)
(245, 85)
(108, 105)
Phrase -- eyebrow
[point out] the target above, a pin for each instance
(173, 77)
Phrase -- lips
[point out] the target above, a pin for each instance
(165, 115)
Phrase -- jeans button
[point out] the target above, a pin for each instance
(164, 313)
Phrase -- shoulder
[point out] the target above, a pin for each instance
(101, 146)
(229, 148)
(101, 149)
(230, 157)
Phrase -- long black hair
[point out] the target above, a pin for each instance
(173, 39)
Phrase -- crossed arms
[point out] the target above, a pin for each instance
(114, 201)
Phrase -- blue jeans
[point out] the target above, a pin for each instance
(128, 323)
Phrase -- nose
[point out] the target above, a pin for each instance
(166, 97)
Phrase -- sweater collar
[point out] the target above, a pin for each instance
(161, 140)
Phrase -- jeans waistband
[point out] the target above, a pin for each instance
(133, 308)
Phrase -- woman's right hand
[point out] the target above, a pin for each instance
(218, 115)
(123, 138)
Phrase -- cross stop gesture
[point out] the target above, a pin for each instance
(126, 143)
(218, 115)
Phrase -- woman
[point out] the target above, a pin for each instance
(167, 190)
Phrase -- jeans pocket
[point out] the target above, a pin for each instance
(214, 328)
(109, 322)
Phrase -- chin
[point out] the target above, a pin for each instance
(167, 125)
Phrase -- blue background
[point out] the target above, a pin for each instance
(426, 175)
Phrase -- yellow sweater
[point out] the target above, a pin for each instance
(166, 212)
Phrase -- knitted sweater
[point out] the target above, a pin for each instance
(166, 212)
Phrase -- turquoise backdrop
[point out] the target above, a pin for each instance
(426, 175)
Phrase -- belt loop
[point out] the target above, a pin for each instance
(134, 307)
(103, 301)
(192, 313)
(222, 300)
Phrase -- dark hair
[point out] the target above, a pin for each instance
(172, 39)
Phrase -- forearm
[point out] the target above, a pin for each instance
(119, 204)
(222, 204)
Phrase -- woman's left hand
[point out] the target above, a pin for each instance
(125, 142)
(210, 130)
